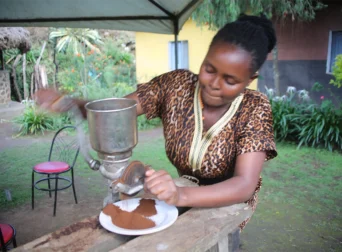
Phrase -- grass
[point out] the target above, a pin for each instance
(299, 204)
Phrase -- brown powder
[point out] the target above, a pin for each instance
(135, 219)
(147, 207)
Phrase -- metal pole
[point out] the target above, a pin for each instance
(176, 31)
(176, 51)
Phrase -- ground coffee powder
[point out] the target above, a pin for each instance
(136, 219)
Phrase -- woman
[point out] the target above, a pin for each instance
(215, 129)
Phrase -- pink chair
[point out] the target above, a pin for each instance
(62, 158)
(7, 236)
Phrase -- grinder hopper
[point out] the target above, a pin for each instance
(113, 135)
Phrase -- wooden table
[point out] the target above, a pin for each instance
(198, 229)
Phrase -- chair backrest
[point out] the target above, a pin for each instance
(65, 147)
(2, 241)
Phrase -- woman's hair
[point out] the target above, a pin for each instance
(254, 34)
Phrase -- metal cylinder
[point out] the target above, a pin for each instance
(112, 127)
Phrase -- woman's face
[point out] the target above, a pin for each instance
(224, 74)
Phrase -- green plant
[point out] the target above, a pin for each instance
(77, 39)
(284, 111)
(33, 121)
(337, 72)
(321, 126)
(298, 119)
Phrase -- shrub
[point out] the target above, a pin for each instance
(321, 125)
(35, 121)
(297, 118)
(284, 110)
(337, 72)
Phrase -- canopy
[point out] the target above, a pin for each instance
(157, 16)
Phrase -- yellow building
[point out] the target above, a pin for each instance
(155, 52)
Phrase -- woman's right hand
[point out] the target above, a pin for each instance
(52, 100)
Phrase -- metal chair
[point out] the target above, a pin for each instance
(7, 236)
(62, 158)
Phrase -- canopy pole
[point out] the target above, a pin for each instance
(176, 51)
(176, 30)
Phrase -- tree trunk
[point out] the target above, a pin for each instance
(26, 88)
(43, 77)
(276, 71)
(55, 63)
(14, 76)
(37, 78)
(32, 84)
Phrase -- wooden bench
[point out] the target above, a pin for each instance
(198, 229)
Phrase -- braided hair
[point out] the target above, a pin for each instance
(254, 34)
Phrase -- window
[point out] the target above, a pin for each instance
(334, 49)
(183, 55)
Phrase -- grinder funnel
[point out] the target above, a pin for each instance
(112, 127)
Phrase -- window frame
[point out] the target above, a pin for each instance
(172, 54)
(329, 51)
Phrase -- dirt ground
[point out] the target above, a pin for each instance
(32, 224)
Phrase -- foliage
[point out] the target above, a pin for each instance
(35, 121)
(321, 126)
(31, 58)
(77, 39)
(216, 13)
(284, 108)
(337, 72)
(104, 70)
(297, 118)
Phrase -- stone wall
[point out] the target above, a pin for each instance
(5, 87)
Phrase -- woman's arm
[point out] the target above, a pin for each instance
(238, 189)
(134, 96)
(54, 101)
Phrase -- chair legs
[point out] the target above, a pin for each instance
(56, 178)
(32, 193)
(14, 242)
(56, 187)
(49, 185)
(73, 184)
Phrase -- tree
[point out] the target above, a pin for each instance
(78, 40)
(216, 13)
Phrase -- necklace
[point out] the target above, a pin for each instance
(201, 103)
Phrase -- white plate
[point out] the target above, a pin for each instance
(165, 217)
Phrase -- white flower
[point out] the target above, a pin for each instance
(304, 95)
(269, 91)
(276, 99)
(291, 90)
(283, 98)
(303, 92)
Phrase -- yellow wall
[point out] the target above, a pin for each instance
(152, 52)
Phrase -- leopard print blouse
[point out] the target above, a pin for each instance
(171, 97)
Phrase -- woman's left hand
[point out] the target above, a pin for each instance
(161, 184)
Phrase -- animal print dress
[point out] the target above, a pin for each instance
(209, 156)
